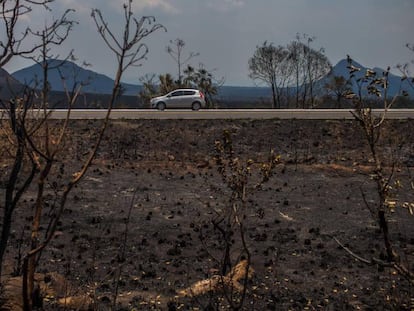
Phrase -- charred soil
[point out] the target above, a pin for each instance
(139, 225)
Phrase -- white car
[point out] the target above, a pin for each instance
(180, 98)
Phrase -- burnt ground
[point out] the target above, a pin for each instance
(140, 224)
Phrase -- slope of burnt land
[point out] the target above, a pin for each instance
(140, 225)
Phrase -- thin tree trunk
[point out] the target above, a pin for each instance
(31, 258)
(10, 203)
(274, 97)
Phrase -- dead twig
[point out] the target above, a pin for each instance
(401, 269)
(369, 262)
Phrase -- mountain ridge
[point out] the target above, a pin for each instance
(395, 82)
(71, 74)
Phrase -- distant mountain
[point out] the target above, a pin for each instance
(341, 68)
(72, 75)
(395, 84)
(8, 85)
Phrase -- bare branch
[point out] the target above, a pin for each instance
(369, 262)
(175, 50)
(11, 13)
(104, 31)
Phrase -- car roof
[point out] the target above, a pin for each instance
(184, 90)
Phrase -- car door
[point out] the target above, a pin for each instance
(174, 100)
(188, 98)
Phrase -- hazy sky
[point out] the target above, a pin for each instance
(226, 32)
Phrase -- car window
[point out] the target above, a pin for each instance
(189, 92)
(177, 93)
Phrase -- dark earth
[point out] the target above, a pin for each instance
(139, 227)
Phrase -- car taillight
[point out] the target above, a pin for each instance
(201, 95)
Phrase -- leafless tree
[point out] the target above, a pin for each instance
(44, 150)
(296, 63)
(297, 66)
(130, 50)
(338, 87)
(307, 65)
(383, 173)
(405, 70)
(231, 222)
(269, 65)
(176, 52)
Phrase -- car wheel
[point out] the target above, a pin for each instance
(196, 106)
(161, 106)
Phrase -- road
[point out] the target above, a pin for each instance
(305, 114)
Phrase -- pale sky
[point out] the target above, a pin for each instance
(226, 32)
